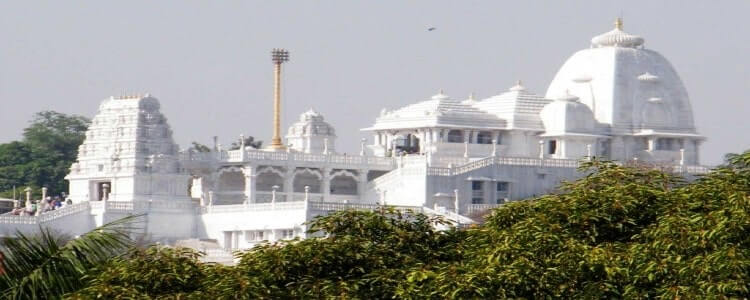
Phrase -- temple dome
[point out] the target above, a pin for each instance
(311, 134)
(617, 38)
(616, 79)
(567, 115)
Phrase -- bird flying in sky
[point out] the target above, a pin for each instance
(431, 29)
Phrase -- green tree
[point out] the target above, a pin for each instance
(618, 232)
(198, 147)
(43, 157)
(249, 142)
(154, 272)
(47, 266)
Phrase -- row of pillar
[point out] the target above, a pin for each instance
(251, 179)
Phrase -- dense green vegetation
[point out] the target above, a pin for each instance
(619, 232)
(44, 155)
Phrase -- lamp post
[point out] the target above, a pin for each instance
(278, 56)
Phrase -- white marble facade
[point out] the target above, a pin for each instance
(457, 158)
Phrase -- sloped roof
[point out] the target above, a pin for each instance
(519, 107)
(439, 111)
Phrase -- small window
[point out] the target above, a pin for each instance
(253, 235)
(484, 137)
(455, 136)
(287, 234)
(500, 200)
(100, 168)
(552, 148)
(476, 200)
(502, 186)
(476, 185)
(666, 144)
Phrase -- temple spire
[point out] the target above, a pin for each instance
(618, 23)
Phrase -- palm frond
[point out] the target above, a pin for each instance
(44, 266)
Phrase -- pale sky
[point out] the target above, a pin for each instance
(209, 63)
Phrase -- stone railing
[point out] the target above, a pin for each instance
(479, 208)
(46, 216)
(331, 158)
(449, 215)
(253, 207)
(328, 207)
(507, 161)
(695, 170)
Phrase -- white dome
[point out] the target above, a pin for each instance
(617, 38)
(616, 80)
(311, 123)
(567, 115)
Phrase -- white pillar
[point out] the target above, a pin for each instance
(289, 184)
(326, 184)
(242, 147)
(541, 149)
(273, 193)
(362, 184)
(105, 192)
(466, 148)
(682, 157)
(325, 146)
(250, 181)
(307, 193)
(210, 198)
(494, 147)
(588, 151)
(455, 201)
(362, 147)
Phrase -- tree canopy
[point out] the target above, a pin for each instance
(618, 232)
(44, 155)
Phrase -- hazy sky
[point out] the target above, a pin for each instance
(209, 64)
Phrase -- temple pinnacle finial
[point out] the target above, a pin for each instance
(441, 92)
(518, 82)
(618, 23)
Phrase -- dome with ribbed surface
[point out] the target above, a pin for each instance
(617, 38)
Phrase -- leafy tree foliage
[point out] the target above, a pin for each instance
(43, 157)
(249, 142)
(46, 266)
(198, 147)
(618, 232)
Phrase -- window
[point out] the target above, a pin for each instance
(253, 235)
(476, 185)
(287, 234)
(484, 137)
(100, 168)
(500, 200)
(666, 144)
(477, 200)
(502, 186)
(552, 147)
(455, 136)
